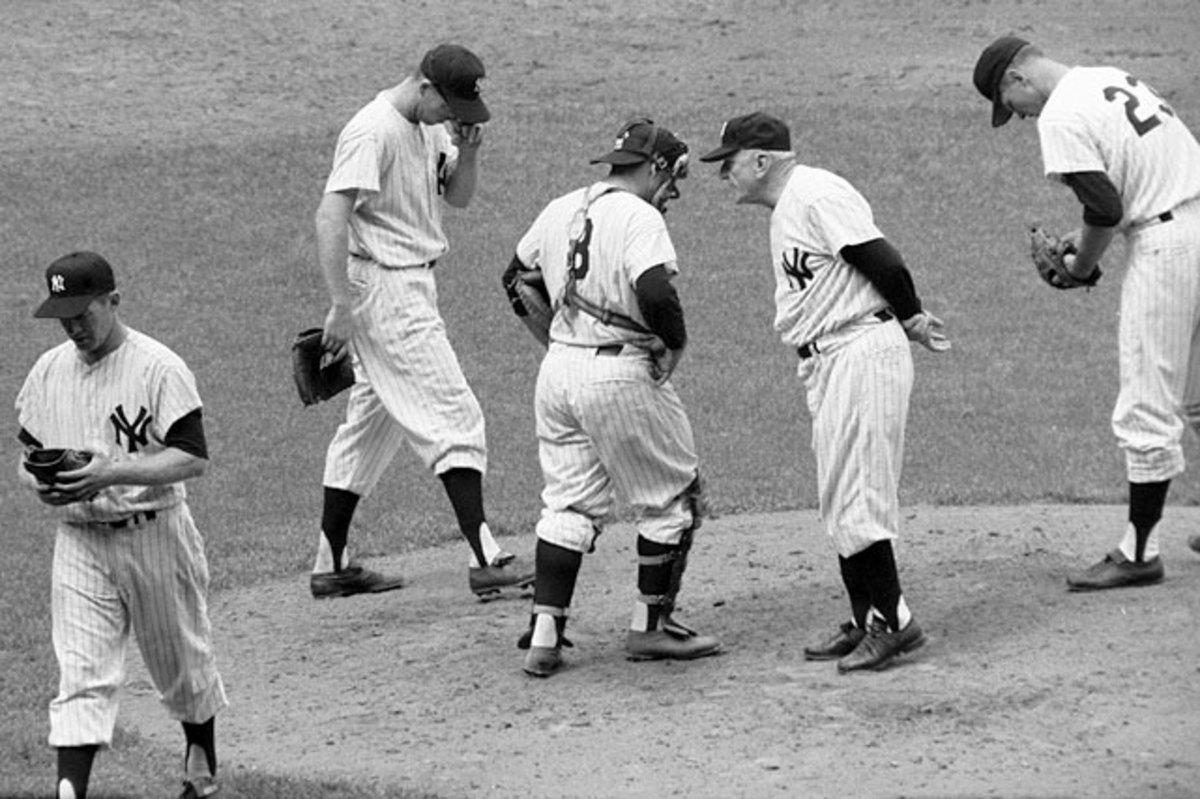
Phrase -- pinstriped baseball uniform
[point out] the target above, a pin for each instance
(1103, 119)
(602, 423)
(130, 558)
(411, 387)
(859, 381)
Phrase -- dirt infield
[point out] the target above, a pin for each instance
(1025, 689)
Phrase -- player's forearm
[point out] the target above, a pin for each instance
(333, 244)
(166, 466)
(1089, 249)
(460, 186)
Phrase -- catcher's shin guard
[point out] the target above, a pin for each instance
(676, 557)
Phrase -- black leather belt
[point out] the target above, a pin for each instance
(810, 349)
(135, 520)
(610, 349)
(426, 265)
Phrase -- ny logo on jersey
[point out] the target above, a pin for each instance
(797, 271)
(57, 283)
(134, 432)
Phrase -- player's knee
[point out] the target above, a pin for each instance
(569, 530)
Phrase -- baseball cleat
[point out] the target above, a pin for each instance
(1116, 571)
(505, 571)
(199, 787)
(878, 647)
(668, 645)
(838, 645)
(1194, 542)
(542, 661)
(351, 580)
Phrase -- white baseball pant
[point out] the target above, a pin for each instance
(410, 386)
(151, 578)
(858, 390)
(1159, 346)
(603, 426)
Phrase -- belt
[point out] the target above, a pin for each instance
(426, 265)
(810, 349)
(1165, 216)
(134, 520)
(610, 349)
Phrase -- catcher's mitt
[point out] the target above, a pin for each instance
(526, 289)
(1047, 252)
(316, 379)
(46, 463)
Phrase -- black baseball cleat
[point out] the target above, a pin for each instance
(673, 643)
(879, 647)
(1116, 571)
(505, 571)
(351, 580)
(840, 644)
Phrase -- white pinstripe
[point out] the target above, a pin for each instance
(857, 394)
(149, 578)
(1159, 350)
(410, 385)
(603, 427)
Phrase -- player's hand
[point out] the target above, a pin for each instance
(79, 485)
(926, 329)
(464, 136)
(338, 328)
(662, 364)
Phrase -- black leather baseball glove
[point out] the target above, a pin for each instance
(46, 463)
(318, 378)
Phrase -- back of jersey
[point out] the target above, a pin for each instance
(1103, 119)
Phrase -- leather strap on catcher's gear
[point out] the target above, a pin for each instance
(316, 379)
(1048, 253)
(664, 604)
(580, 234)
(560, 622)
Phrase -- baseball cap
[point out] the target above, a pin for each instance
(639, 139)
(989, 72)
(757, 131)
(74, 281)
(455, 72)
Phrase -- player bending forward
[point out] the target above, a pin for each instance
(127, 556)
(845, 300)
(1135, 168)
(608, 417)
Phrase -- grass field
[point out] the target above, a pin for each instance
(190, 144)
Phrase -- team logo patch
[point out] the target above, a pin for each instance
(57, 284)
(134, 432)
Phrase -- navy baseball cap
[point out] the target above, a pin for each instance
(989, 73)
(757, 131)
(639, 139)
(455, 72)
(74, 281)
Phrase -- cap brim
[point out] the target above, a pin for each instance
(65, 307)
(468, 112)
(1000, 114)
(720, 154)
(619, 158)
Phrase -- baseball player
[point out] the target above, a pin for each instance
(608, 417)
(379, 236)
(845, 301)
(127, 554)
(1135, 168)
